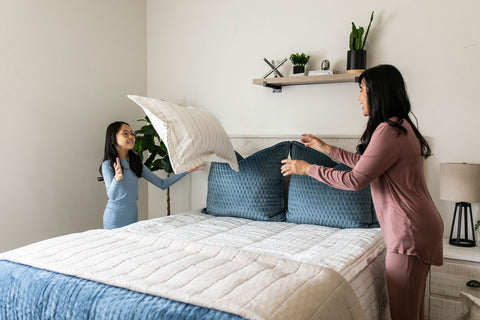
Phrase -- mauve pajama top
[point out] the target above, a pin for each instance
(393, 166)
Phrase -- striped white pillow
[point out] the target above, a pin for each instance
(191, 135)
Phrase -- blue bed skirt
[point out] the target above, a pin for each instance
(30, 293)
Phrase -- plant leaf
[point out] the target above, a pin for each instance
(156, 152)
(167, 166)
(368, 29)
(354, 37)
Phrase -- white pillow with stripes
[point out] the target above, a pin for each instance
(191, 135)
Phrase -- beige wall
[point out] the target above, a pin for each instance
(206, 53)
(66, 67)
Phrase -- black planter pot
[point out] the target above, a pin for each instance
(299, 69)
(356, 61)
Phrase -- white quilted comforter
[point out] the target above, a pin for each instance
(258, 270)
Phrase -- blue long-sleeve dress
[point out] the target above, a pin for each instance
(121, 209)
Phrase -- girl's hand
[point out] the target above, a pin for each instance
(118, 171)
(200, 167)
(294, 167)
(315, 143)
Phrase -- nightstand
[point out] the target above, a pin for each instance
(460, 265)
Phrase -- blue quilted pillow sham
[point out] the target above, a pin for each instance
(255, 192)
(313, 202)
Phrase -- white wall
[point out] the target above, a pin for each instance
(206, 53)
(66, 67)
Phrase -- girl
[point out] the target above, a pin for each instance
(121, 168)
(390, 159)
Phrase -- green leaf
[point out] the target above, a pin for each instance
(368, 29)
(157, 165)
(138, 148)
(150, 131)
(167, 166)
(162, 151)
(298, 59)
(353, 37)
(358, 41)
(149, 161)
(148, 143)
(144, 129)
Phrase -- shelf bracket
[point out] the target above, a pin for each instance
(275, 88)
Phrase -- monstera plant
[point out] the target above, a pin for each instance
(148, 141)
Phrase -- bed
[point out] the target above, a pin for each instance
(236, 259)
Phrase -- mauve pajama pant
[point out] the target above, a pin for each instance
(406, 279)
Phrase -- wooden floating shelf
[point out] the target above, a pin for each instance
(278, 83)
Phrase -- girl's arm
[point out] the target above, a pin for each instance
(114, 188)
(381, 153)
(159, 182)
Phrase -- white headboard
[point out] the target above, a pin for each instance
(247, 145)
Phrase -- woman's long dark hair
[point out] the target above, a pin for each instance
(112, 154)
(387, 97)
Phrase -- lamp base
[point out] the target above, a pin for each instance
(464, 207)
(462, 242)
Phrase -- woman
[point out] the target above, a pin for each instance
(121, 168)
(390, 159)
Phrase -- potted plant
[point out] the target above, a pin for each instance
(357, 56)
(299, 61)
(147, 140)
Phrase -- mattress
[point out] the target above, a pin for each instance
(347, 251)
(357, 254)
(354, 254)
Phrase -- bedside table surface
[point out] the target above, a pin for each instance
(461, 253)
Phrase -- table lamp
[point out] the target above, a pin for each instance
(460, 182)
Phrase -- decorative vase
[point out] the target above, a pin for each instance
(299, 69)
(356, 61)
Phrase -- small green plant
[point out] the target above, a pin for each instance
(147, 140)
(477, 225)
(356, 42)
(299, 59)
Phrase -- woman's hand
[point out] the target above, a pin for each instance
(200, 167)
(118, 171)
(315, 143)
(295, 167)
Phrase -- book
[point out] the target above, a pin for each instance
(320, 72)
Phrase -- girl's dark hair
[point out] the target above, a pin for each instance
(387, 97)
(111, 150)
